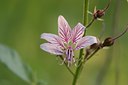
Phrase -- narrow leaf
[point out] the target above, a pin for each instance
(11, 59)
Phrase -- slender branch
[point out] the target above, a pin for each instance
(121, 34)
(93, 53)
(80, 64)
(85, 12)
(78, 69)
(107, 6)
(67, 67)
(90, 23)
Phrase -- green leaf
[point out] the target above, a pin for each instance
(11, 59)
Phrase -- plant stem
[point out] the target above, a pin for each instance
(78, 69)
(67, 67)
(80, 63)
(85, 12)
(90, 23)
(93, 53)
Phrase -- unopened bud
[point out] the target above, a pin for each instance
(108, 42)
(98, 14)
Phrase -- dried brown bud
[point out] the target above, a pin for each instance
(98, 14)
(108, 42)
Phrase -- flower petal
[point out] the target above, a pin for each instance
(85, 41)
(52, 38)
(63, 29)
(77, 32)
(49, 37)
(52, 48)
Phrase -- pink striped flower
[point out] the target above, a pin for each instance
(67, 41)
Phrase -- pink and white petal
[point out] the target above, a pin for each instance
(85, 41)
(49, 37)
(63, 29)
(52, 38)
(77, 32)
(51, 48)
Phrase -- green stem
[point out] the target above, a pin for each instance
(78, 69)
(80, 63)
(67, 67)
(85, 12)
(93, 53)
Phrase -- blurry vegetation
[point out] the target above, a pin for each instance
(23, 21)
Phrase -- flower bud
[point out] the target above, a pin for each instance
(98, 14)
(108, 42)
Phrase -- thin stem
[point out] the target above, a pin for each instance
(85, 12)
(67, 67)
(121, 34)
(80, 64)
(107, 6)
(93, 53)
(78, 69)
(90, 23)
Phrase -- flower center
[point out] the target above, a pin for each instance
(69, 55)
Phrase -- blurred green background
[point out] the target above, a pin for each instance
(23, 21)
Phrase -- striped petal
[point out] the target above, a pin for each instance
(52, 38)
(77, 32)
(63, 29)
(51, 48)
(85, 41)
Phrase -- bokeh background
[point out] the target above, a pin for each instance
(23, 21)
